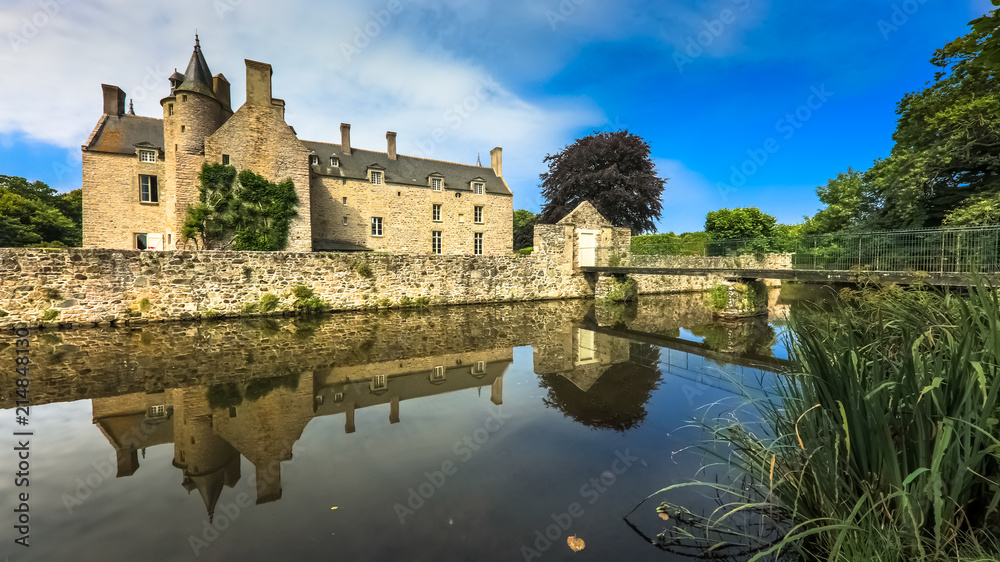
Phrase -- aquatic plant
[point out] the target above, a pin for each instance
(879, 443)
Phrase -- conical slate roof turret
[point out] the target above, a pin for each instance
(197, 77)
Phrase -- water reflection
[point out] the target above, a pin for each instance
(223, 392)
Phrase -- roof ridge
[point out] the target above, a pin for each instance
(353, 150)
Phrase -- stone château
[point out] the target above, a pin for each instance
(140, 174)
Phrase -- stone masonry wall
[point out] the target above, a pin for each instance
(257, 138)
(407, 219)
(88, 286)
(111, 200)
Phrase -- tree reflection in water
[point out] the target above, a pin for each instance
(617, 401)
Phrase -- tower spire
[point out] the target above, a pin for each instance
(131, 111)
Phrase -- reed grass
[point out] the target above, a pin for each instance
(880, 443)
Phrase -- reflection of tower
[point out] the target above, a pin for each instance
(208, 461)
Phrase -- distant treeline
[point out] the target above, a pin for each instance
(33, 215)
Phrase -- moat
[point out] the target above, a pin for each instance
(459, 433)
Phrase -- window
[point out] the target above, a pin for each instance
(478, 214)
(480, 368)
(147, 156)
(170, 240)
(461, 217)
(184, 98)
(436, 242)
(158, 411)
(437, 375)
(334, 162)
(225, 159)
(345, 221)
(147, 189)
(182, 128)
(314, 160)
(477, 188)
(345, 200)
(376, 177)
(140, 242)
(338, 397)
(477, 243)
(170, 110)
(380, 382)
(232, 411)
(376, 226)
(436, 184)
(437, 213)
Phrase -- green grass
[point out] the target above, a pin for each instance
(879, 444)
(268, 302)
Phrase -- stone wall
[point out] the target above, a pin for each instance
(257, 138)
(407, 219)
(89, 286)
(111, 200)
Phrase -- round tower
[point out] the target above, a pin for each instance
(192, 112)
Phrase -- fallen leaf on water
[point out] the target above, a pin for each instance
(334, 507)
(575, 544)
(664, 516)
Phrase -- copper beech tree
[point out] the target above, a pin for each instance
(612, 170)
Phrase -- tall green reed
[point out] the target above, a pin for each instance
(880, 442)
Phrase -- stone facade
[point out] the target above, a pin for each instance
(340, 189)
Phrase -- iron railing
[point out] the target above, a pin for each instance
(931, 251)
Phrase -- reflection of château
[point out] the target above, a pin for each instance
(211, 427)
(225, 390)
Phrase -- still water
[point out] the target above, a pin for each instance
(464, 433)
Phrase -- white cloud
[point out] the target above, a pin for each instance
(51, 92)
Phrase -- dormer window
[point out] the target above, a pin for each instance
(147, 156)
(478, 187)
(376, 177)
(379, 382)
(314, 160)
(334, 162)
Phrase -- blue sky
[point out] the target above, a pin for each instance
(743, 102)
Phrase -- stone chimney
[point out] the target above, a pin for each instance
(221, 88)
(114, 100)
(345, 138)
(258, 83)
(496, 161)
(390, 138)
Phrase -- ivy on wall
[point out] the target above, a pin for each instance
(240, 211)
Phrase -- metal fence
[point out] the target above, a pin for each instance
(942, 251)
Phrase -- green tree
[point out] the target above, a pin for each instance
(947, 139)
(29, 222)
(524, 229)
(844, 197)
(739, 224)
(612, 170)
(240, 211)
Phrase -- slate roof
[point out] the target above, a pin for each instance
(197, 78)
(120, 135)
(406, 170)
